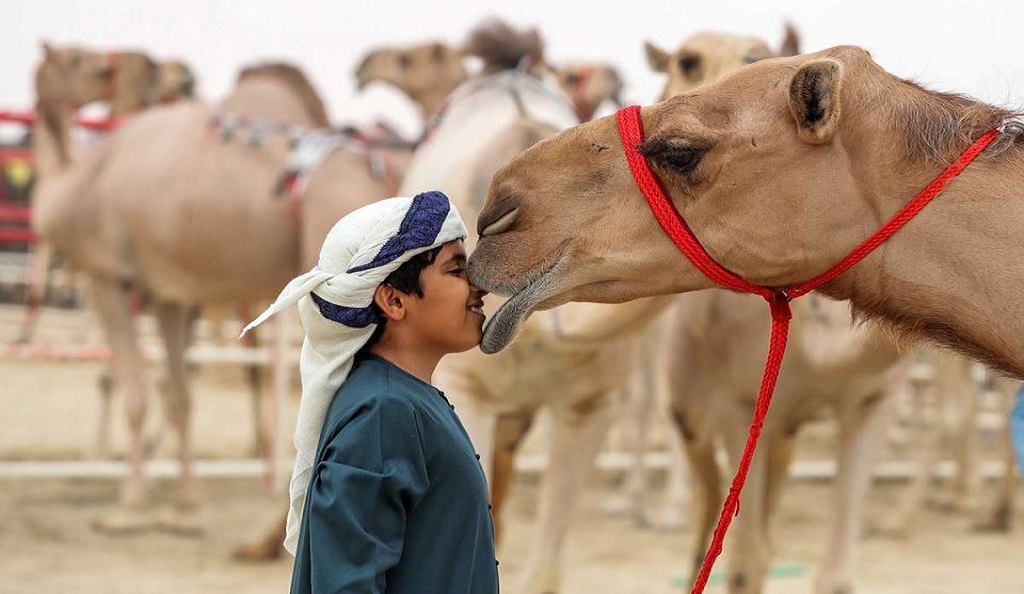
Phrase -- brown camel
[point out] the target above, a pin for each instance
(581, 382)
(589, 85)
(425, 73)
(428, 73)
(708, 56)
(780, 168)
(147, 210)
(74, 77)
(717, 346)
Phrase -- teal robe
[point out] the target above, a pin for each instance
(398, 500)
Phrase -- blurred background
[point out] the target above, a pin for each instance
(919, 499)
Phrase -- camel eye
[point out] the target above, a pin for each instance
(75, 61)
(404, 61)
(572, 79)
(689, 64)
(680, 159)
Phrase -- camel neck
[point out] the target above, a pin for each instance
(430, 104)
(956, 271)
(51, 137)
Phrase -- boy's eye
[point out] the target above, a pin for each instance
(458, 271)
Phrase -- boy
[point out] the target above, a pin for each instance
(387, 493)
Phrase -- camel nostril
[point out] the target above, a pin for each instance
(504, 223)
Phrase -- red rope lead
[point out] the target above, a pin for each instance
(631, 131)
(731, 508)
(905, 214)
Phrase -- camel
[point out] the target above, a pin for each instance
(128, 81)
(588, 86)
(894, 137)
(486, 122)
(171, 247)
(708, 56)
(954, 405)
(426, 73)
(846, 144)
(718, 341)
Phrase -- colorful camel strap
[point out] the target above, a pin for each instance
(778, 298)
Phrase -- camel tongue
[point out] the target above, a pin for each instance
(502, 328)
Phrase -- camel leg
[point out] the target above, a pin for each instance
(268, 547)
(640, 408)
(862, 431)
(576, 436)
(509, 433)
(174, 327)
(114, 306)
(255, 376)
(700, 453)
(1000, 518)
(670, 513)
(277, 449)
(897, 523)
(749, 554)
(106, 389)
(36, 290)
(780, 455)
(961, 392)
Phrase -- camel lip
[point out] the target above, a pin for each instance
(504, 325)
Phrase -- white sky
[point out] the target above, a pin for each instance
(967, 46)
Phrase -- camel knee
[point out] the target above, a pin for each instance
(135, 411)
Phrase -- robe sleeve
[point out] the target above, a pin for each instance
(372, 473)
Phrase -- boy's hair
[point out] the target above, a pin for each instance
(406, 278)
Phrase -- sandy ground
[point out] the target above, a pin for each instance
(50, 412)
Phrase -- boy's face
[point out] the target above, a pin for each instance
(450, 314)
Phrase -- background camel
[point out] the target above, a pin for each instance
(146, 213)
(127, 82)
(425, 73)
(946, 414)
(710, 55)
(485, 123)
(428, 73)
(588, 86)
(718, 345)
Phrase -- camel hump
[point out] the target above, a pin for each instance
(296, 79)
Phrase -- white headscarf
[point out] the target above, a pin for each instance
(334, 299)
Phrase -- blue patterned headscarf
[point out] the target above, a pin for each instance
(334, 300)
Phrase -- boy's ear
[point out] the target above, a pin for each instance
(391, 302)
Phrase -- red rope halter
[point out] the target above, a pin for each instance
(632, 134)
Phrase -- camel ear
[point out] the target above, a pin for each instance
(438, 51)
(48, 52)
(791, 42)
(657, 58)
(814, 100)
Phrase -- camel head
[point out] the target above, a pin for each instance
(427, 72)
(74, 76)
(708, 56)
(174, 81)
(589, 85)
(776, 168)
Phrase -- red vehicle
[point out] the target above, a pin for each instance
(17, 177)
